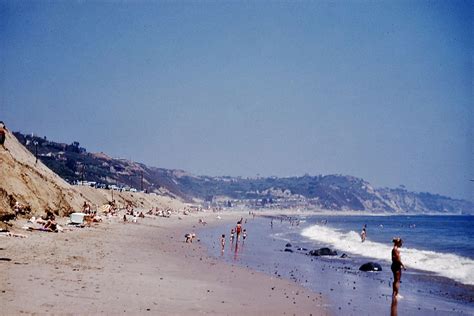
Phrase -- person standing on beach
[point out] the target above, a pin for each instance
(2, 134)
(232, 235)
(238, 229)
(397, 265)
(223, 241)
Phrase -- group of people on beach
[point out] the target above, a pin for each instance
(159, 212)
(45, 223)
(294, 221)
(130, 211)
(235, 234)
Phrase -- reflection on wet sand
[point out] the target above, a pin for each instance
(394, 306)
(236, 249)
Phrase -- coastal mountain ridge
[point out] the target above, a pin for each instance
(331, 192)
(28, 187)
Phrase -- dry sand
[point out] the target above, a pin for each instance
(142, 268)
(115, 267)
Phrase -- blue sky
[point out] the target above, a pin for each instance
(379, 90)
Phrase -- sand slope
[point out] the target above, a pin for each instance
(31, 183)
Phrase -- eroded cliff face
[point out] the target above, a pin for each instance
(402, 201)
(28, 181)
(31, 183)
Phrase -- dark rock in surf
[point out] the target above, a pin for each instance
(370, 266)
(288, 245)
(344, 255)
(323, 252)
(288, 250)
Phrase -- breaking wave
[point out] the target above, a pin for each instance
(448, 265)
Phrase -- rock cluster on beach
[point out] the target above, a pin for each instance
(370, 266)
(323, 252)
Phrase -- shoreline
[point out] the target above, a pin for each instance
(139, 268)
(347, 290)
(292, 212)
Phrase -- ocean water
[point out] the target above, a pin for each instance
(438, 252)
(443, 245)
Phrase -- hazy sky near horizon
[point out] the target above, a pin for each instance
(379, 90)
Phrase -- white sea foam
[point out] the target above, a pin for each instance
(451, 266)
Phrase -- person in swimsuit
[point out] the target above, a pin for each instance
(397, 265)
(223, 242)
(363, 234)
(2, 134)
(238, 229)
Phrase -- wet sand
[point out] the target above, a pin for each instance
(347, 290)
(143, 268)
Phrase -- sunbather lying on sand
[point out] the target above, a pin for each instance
(48, 226)
(45, 219)
(51, 225)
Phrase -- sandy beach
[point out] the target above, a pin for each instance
(236, 158)
(138, 268)
(146, 267)
(115, 267)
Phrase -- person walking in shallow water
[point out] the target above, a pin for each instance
(238, 229)
(222, 242)
(232, 235)
(363, 234)
(397, 266)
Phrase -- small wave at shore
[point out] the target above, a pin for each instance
(448, 265)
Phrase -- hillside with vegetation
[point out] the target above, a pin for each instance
(332, 192)
(29, 187)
